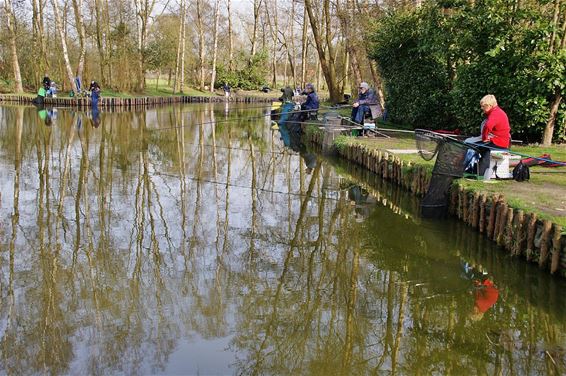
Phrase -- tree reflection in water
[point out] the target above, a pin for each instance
(197, 248)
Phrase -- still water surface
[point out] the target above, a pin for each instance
(190, 240)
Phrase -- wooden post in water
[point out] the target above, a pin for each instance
(556, 244)
(483, 203)
(508, 232)
(502, 221)
(491, 221)
(519, 233)
(531, 232)
(544, 242)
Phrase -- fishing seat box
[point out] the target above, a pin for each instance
(499, 165)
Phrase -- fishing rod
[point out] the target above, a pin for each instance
(243, 149)
(491, 148)
(233, 185)
(520, 154)
(249, 118)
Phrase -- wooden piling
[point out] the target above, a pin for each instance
(129, 103)
(556, 245)
(508, 230)
(531, 232)
(482, 219)
(499, 237)
(491, 219)
(519, 236)
(544, 242)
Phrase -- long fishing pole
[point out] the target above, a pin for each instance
(249, 118)
(479, 145)
(520, 154)
(233, 185)
(242, 149)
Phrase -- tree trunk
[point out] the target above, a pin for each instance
(61, 30)
(99, 40)
(11, 21)
(257, 5)
(144, 9)
(179, 44)
(200, 44)
(273, 27)
(557, 97)
(80, 25)
(549, 128)
(183, 48)
(555, 24)
(291, 55)
(304, 46)
(346, 23)
(346, 69)
(107, 35)
(230, 38)
(378, 83)
(274, 36)
(215, 46)
(327, 63)
(40, 54)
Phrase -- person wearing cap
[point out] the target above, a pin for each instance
(312, 102)
(366, 103)
(46, 82)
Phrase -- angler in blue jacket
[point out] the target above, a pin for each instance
(312, 102)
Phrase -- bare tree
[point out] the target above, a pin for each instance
(143, 9)
(230, 38)
(183, 43)
(215, 46)
(62, 36)
(257, 7)
(11, 22)
(200, 30)
(325, 48)
(178, 85)
(272, 21)
(304, 48)
(80, 25)
(38, 35)
(99, 41)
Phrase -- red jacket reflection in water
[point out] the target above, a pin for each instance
(485, 296)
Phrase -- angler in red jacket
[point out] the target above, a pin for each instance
(496, 132)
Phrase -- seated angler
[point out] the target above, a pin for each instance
(311, 105)
(367, 103)
(287, 95)
(496, 132)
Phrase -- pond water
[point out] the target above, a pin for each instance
(191, 240)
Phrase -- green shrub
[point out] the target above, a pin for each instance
(439, 60)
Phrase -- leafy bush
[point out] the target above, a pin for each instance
(439, 60)
(249, 74)
(410, 48)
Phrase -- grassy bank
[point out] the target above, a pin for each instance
(544, 194)
(154, 90)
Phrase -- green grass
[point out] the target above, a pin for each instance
(154, 90)
(544, 194)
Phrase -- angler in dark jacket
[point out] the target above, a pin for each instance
(367, 103)
(312, 102)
